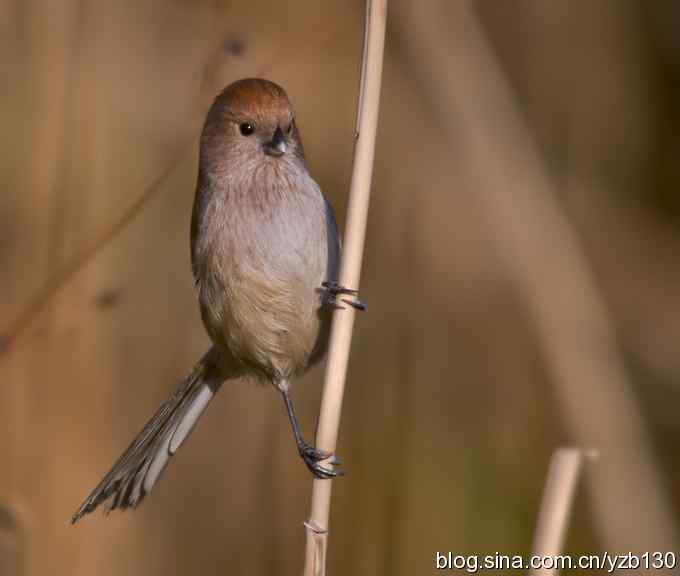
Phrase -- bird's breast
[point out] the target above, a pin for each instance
(264, 262)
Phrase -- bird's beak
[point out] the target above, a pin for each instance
(277, 145)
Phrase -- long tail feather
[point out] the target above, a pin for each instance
(135, 473)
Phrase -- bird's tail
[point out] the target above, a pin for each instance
(138, 469)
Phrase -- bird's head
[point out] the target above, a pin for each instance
(252, 121)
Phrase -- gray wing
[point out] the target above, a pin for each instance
(333, 246)
(333, 243)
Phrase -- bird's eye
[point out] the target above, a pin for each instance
(246, 128)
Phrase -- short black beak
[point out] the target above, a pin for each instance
(278, 144)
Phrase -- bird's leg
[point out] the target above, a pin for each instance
(308, 453)
(333, 290)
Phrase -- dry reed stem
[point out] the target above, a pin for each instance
(350, 270)
(565, 470)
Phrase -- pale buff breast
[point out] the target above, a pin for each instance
(259, 285)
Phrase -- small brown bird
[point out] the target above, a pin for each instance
(265, 251)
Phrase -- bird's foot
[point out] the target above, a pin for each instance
(313, 457)
(333, 290)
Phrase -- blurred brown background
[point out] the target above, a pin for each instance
(522, 273)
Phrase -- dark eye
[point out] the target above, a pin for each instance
(246, 128)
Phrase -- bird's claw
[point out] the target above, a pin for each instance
(333, 290)
(310, 453)
(313, 457)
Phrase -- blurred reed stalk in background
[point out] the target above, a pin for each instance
(541, 255)
(566, 467)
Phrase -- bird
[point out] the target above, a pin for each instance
(265, 252)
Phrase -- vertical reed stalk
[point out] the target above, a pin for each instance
(565, 470)
(350, 270)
